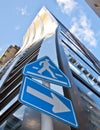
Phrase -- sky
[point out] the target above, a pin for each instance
(17, 15)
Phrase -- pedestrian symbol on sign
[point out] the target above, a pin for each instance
(45, 69)
(46, 66)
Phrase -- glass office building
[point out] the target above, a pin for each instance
(47, 36)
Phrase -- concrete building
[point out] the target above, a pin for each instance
(47, 36)
(95, 5)
(8, 54)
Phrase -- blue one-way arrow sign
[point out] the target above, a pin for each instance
(45, 69)
(38, 96)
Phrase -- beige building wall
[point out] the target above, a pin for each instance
(8, 54)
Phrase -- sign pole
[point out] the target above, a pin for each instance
(46, 121)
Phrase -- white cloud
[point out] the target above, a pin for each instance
(23, 10)
(17, 27)
(81, 27)
(67, 6)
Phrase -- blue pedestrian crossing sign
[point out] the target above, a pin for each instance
(39, 97)
(45, 69)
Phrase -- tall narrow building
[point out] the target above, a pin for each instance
(47, 36)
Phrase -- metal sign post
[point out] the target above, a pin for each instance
(46, 121)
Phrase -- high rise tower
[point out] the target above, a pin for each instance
(47, 36)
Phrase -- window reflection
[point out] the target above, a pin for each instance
(82, 70)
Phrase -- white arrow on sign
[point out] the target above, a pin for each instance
(58, 106)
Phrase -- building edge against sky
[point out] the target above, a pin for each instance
(44, 27)
(95, 5)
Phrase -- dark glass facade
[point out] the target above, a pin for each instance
(84, 79)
